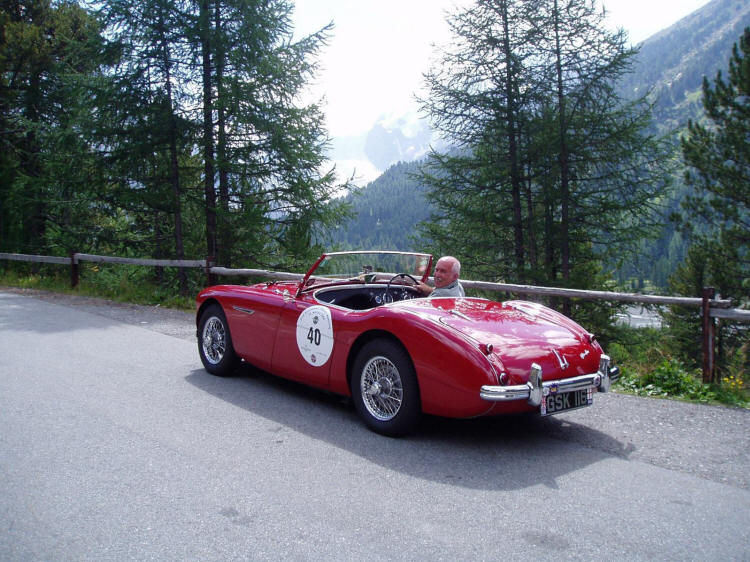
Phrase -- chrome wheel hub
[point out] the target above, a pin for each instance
(213, 340)
(381, 387)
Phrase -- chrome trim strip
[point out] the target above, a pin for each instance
(245, 310)
(459, 314)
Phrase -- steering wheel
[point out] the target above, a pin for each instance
(386, 296)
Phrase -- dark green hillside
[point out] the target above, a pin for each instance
(671, 66)
(386, 212)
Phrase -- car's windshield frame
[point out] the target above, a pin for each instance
(366, 266)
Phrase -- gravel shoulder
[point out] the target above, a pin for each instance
(712, 442)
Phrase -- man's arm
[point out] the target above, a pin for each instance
(424, 289)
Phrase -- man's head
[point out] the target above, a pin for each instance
(447, 270)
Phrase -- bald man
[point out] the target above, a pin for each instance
(446, 275)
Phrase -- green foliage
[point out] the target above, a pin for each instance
(718, 158)
(121, 283)
(48, 51)
(650, 368)
(107, 145)
(669, 378)
(670, 67)
(552, 172)
(37, 276)
(137, 284)
(271, 193)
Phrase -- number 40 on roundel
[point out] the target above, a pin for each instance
(315, 335)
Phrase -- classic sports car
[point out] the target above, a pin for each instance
(352, 328)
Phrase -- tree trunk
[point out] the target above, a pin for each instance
(31, 167)
(225, 233)
(515, 179)
(564, 163)
(563, 157)
(174, 170)
(208, 134)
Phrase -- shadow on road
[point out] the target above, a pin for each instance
(507, 452)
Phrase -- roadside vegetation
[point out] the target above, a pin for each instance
(653, 364)
(121, 283)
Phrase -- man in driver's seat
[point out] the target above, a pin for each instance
(446, 275)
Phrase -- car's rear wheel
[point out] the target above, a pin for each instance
(384, 388)
(215, 342)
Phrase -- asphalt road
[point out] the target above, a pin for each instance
(115, 444)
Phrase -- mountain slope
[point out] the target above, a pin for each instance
(671, 64)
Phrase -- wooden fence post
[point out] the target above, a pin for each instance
(73, 270)
(210, 262)
(708, 335)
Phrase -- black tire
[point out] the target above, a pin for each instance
(215, 342)
(384, 388)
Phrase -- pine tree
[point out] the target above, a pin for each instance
(47, 52)
(262, 149)
(718, 156)
(716, 218)
(551, 172)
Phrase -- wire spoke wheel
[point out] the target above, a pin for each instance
(385, 389)
(214, 340)
(382, 389)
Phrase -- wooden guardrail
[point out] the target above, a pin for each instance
(719, 308)
(76, 258)
(710, 307)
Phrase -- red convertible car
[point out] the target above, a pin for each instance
(355, 325)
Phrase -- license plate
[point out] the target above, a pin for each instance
(555, 403)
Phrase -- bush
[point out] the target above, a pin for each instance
(669, 378)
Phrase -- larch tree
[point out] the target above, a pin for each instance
(549, 171)
(143, 130)
(267, 187)
(609, 169)
(479, 101)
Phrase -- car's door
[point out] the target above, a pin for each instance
(304, 342)
(253, 323)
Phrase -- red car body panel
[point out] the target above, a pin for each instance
(457, 345)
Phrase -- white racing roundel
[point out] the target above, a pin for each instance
(315, 335)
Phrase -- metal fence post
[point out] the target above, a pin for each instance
(708, 335)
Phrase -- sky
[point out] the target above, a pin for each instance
(379, 49)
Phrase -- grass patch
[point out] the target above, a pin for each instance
(121, 283)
